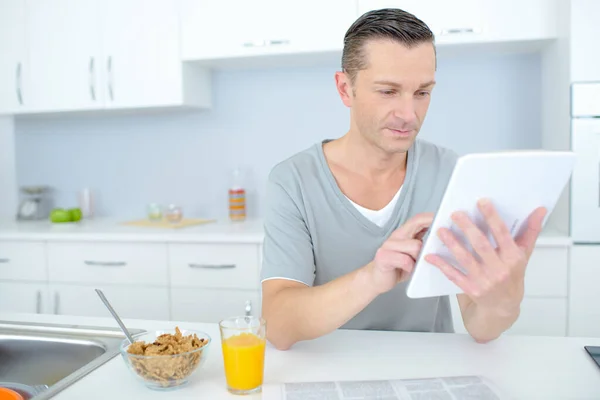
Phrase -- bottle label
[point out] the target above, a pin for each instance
(237, 203)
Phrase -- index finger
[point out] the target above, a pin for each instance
(413, 226)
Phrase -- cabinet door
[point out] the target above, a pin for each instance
(64, 46)
(18, 297)
(535, 19)
(224, 28)
(212, 305)
(584, 296)
(128, 301)
(585, 33)
(13, 62)
(141, 59)
(541, 317)
(450, 21)
(327, 23)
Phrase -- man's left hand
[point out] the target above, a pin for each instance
(495, 282)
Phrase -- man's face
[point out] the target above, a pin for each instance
(389, 99)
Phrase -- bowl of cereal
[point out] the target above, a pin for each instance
(166, 359)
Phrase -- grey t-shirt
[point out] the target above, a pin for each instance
(314, 234)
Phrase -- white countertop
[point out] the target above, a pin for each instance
(523, 367)
(221, 231)
(249, 231)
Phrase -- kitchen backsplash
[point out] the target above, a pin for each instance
(259, 118)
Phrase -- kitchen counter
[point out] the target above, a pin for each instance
(102, 229)
(525, 367)
(250, 231)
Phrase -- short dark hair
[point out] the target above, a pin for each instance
(386, 23)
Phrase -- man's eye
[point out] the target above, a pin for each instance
(423, 93)
(387, 92)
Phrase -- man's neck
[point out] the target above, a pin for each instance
(364, 158)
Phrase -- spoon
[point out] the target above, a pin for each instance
(114, 314)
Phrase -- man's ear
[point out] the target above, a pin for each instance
(344, 87)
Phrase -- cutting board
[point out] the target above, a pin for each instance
(165, 224)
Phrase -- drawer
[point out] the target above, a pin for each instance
(212, 305)
(112, 263)
(23, 260)
(128, 301)
(541, 317)
(547, 272)
(214, 265)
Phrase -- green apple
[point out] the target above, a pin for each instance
(60, 215)
(75, 214)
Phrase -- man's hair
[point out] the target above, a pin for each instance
(386, 23)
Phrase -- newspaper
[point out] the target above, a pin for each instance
(443, 388)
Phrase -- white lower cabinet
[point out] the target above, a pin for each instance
(584, 295)
(541, 317)
(128, 301)
(212, 305)
(24, 297)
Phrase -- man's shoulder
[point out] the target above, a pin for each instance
(433, 154)
(294, 167)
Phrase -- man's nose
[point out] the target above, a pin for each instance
(404, 109)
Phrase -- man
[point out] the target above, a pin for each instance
(345, 219)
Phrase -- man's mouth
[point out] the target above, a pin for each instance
(401, 132)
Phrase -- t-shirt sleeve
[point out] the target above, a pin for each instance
(287, 247)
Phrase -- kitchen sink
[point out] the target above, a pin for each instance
(50, 357)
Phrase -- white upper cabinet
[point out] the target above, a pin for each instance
(234, 28)
(75, 55)
(141, 56)
(13, 58)
(64, 55)
(585, 36)
(476, 21)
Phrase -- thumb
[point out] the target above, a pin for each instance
(414, 226)
(527, 239)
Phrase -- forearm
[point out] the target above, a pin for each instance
(485, 325)
(303, 313)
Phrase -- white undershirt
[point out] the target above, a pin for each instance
(379, 217)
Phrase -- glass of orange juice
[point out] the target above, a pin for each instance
(243, 341)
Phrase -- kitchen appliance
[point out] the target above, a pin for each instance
(585, 181)
(36, 203)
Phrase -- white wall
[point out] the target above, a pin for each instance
(259, 118)
(8, 173)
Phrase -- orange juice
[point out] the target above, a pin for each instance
(244, 357)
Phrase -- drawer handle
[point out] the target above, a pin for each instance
(212, 266)
(105, 263)
(457, 31)
(4, 260)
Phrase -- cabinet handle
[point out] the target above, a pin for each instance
(455, 31)
(110, 78)
(278, 42)
(105, 263)
(18, 80)
(263, 43)
(92, 80)
(4, 260)
(248, 309)
(38, 302)
(212, 266)
(56, 303)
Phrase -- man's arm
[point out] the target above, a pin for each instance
(298, 312)
(295, 311)
(485, 325)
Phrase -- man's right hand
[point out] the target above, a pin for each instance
(395, 259)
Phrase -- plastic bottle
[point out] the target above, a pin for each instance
(237, 197)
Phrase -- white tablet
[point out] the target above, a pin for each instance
(516, 182)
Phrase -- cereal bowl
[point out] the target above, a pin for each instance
(166, 359)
